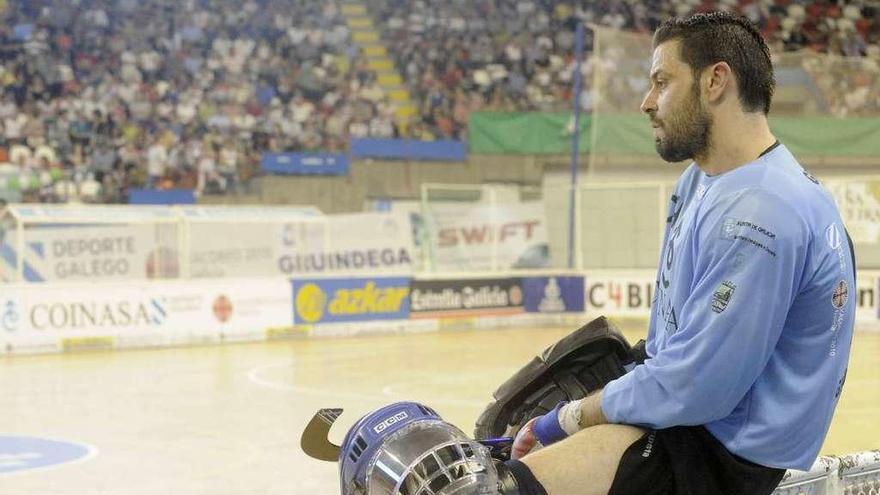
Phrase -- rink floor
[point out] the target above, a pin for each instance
(226, 420)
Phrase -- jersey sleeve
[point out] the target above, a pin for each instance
(748, 256)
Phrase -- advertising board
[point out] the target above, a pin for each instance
(84, 253)
(560, 294)
(483, 237)
(305, 163)
(346, 244)
(350, 299)
(628, 295)
(466, 297)
(859, 204)
(155, 312)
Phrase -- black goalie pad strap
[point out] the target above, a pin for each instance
(579, 364)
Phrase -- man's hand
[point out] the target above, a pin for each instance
(544, 430)
(524, 441)
(566, 419)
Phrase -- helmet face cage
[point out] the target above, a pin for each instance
(419, 454)
(431, 458)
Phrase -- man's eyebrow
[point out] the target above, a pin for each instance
(658, 73)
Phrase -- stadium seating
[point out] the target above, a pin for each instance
(177, 94)
(190, 94)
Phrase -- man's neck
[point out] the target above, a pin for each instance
(735, 142)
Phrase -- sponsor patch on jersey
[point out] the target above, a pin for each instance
(733, 226)
(832, 235)
(840, 295)
(723, 294)
(728, 228)
(734, 229)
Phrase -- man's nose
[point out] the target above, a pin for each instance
(649, 104)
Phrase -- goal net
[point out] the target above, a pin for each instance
(480, 228)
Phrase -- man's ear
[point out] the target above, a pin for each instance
(718, 78)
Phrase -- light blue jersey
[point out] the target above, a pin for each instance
(753, 315)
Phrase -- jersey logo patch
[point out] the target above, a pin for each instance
(832, 235)
(732, 226)
(733, 229)
(722, 295)
(728, 228)
(840, 295)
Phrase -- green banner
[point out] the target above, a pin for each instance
(828, 136)
(549, 133)
(533, 133)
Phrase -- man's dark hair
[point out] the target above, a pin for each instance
(707, 39)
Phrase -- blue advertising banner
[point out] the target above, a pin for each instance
(305, 163)
(28, 453)
(444, 150)
(353, 299)
(157, 197)
(554, 294)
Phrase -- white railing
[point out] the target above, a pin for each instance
(854, 474)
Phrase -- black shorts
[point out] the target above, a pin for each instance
(688, 460)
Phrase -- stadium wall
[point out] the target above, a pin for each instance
(384, 179)
(401, 179)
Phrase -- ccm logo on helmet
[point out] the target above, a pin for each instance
(379, 428)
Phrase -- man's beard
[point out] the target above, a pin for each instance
(686, 132)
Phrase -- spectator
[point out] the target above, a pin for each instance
(209, 180)
(157, 161)
(228, 166)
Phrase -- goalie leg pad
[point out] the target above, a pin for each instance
(579, 364)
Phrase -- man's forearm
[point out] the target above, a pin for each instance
(565, 420)
(591, 411)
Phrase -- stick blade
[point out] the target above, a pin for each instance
(315, 442)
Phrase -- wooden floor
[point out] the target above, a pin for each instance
(226, 420)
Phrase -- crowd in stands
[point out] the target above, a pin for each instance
(162, 94)
(517, 55)
(189, 94)
(509, 55)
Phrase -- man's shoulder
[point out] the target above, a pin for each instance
(776, 178)
(798, 189)
(765, 207)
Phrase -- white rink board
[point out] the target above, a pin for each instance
(93, 253)
(46, 318)
(868, 302)
(619, 293)
(54, 317)
(362, 243)
(483, 237)
(628, 294)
